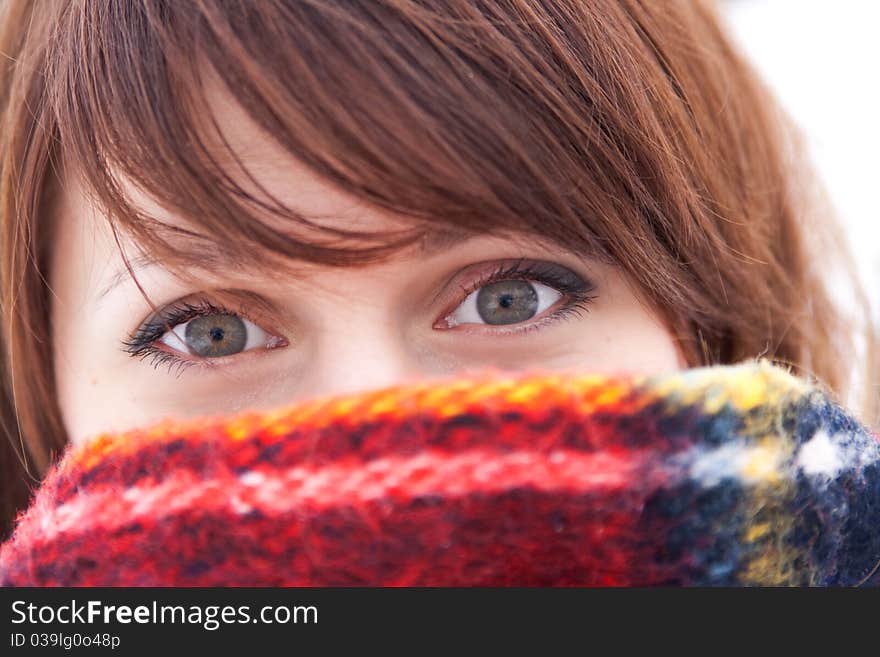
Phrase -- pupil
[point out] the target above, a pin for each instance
(506, 301)
(216, 334)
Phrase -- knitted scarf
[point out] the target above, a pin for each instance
(724, 475)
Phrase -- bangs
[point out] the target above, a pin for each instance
(415, 113)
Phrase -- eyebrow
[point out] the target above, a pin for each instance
(433, 240)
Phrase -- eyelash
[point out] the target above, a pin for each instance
(578, 290)
(141, 343)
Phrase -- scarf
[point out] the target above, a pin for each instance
(724, 475)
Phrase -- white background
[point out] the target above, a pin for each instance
(823, 60)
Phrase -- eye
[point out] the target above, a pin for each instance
(202, 331)
(215, 336)
(504, 302)
(512, 295)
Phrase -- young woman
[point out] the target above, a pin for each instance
(216, 205)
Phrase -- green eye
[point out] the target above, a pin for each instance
(504, 302)
(507, 302)
(215, 336)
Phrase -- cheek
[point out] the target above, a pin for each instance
(93, 395)
(635, 349)
(80, 391)
(642, 348)
(623, 336)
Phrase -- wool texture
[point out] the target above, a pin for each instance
(724, 475)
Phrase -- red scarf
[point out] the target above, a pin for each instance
(720, 475)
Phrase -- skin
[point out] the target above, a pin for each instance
(331, 330)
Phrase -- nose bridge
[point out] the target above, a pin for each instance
(362, 355)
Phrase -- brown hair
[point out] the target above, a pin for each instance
(630, 130)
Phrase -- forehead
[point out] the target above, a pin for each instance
(242, 150)
(255, 160)
(85, 224)
(257, 164)
(239, 148)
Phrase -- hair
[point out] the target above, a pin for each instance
(631, 131)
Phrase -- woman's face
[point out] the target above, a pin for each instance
(431, 311)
